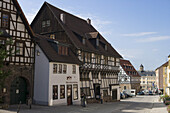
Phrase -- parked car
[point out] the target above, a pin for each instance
(150, 93)
(141, 93)
(122, 96)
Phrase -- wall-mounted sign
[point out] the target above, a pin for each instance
(69, 78)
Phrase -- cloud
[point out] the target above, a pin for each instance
(139, 34)
(153, 39)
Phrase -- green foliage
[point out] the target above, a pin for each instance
(6, 50)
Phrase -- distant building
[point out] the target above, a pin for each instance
(148, 79)
(128, 76)
(163, 79)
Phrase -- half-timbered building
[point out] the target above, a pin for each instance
(56, 73)
(13, 24)
(100, 61)
(128, 76)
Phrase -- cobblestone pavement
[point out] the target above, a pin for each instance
(138, 104)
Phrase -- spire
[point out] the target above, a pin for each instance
(141, 68)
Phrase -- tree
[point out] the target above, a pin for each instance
(6, 50)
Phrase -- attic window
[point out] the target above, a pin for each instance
(97, 42)
(83, 41)
(62, 50)
(62, 17)
(46, 23)
(106, 47)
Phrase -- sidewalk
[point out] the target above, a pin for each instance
(159, 107)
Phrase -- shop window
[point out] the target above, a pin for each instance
(62, 91)
(75, 91)
(54, 68)
(55, 92)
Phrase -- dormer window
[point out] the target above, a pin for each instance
(62, 50)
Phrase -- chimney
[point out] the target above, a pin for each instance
(89, 21)
(63, 17)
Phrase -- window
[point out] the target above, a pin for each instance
(62, 50)
(19, 48)
(54, 68)
(48, 23)
(95, 75)
(105, 93)
(86, 91)
(62, 91)
(73, 69)
(52, 36)
(5, 20)
(124, 87)
(60, 68)
(55, 92)
(64, 69)
(45, 23)
(2, 42)
(84, 76)
(75, 91)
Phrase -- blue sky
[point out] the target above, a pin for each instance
(138, 29)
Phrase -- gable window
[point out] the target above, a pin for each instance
(60, 68)
(64, 69)
(54, 68)
(43, 23)
(5, 20)
(19, 48)
(55, 92)
(46, 23)
(73, 69)
(62, 91)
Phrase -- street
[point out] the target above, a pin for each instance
(138, 104)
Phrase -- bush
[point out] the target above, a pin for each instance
(167, 102)
(168, 108)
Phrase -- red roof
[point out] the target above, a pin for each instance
(128, 68)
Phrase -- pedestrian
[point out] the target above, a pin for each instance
(101, 98)
(84, 100)
(29, 102)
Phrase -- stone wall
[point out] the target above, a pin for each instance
(25, 72)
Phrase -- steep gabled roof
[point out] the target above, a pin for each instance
(76, 28)
(23, 18)
(124, 64)
(49, 50)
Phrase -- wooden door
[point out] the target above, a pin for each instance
(69, 94)
(18, 91)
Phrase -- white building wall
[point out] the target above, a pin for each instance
(61, 79)
(41, 79)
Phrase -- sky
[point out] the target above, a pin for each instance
(138, 29)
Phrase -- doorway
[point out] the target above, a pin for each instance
(97, 91)
(69, 94)
(114, 94)
(18, 91)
